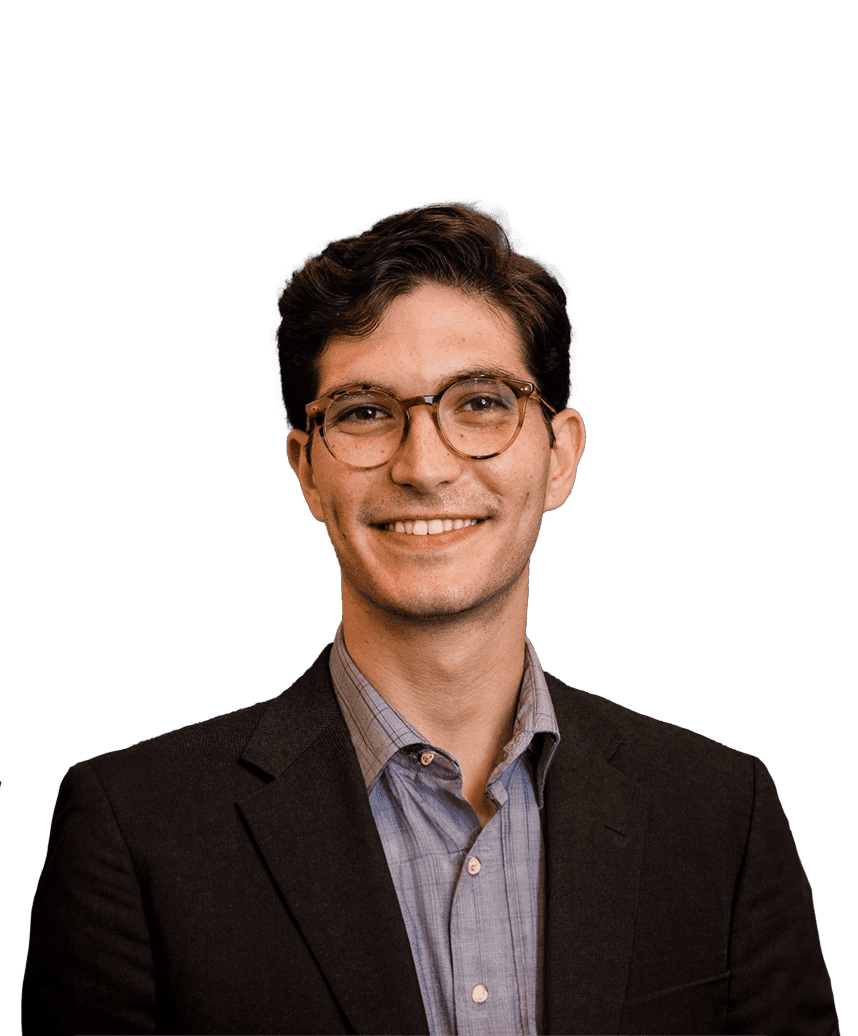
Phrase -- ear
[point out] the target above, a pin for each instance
(296, 445)
(568, 446)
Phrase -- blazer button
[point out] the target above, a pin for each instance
(474, 865)
(479, 994)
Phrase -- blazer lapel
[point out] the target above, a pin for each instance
(313, 826)
(595, 822)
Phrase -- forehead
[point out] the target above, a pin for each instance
(423, 338)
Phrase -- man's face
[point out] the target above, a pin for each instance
(424, 339)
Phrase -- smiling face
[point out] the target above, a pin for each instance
(431, 534)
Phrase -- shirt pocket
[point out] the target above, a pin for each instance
(694, 1009)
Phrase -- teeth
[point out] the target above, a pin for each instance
(430, 527)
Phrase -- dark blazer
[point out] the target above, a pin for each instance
(228, 878)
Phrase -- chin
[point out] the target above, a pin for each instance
(439, 608)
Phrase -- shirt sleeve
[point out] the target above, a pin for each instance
(90, 966)
(779, 983)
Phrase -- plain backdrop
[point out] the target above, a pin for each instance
(687, 169)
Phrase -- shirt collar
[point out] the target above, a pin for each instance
(378, 731)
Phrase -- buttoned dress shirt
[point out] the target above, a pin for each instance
(471, 896)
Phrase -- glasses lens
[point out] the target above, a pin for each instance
(364, 428)
(479, 416)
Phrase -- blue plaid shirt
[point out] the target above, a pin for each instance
(471, 897)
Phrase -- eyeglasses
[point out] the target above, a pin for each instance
(476, 416)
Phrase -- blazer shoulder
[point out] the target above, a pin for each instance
(226, 734)
(220, 740)
(650, 749)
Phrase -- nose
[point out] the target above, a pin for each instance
(423, 459)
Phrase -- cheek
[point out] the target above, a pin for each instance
(339, 518)
(341, 501)
(525, 486)
(330, 502)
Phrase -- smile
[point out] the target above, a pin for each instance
(430, 526)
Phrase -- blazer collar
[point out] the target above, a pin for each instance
(594, 827)
(313, 826)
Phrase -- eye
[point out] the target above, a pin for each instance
(360, 415)
(481, 404)
(363, 414)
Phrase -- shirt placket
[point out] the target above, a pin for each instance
(485, 986)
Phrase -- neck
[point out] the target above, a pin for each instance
(455, 679)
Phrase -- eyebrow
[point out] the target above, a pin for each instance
(465, 372)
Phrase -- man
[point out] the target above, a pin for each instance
(426, 833)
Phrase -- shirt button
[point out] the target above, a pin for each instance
(474, 865)
(426, 758)
(479, 994)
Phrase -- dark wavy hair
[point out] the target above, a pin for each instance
(346, 289)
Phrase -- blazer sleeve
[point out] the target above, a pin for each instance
(90, 966)
(779, 983)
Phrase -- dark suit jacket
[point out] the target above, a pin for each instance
(228, 878)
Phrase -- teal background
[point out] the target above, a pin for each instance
(689, 170)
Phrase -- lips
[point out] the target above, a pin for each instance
(429, 526)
